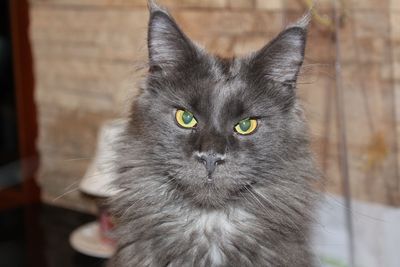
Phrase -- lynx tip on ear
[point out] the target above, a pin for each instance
(304, 21)
(153, 6)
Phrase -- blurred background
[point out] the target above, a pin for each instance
(70, 66)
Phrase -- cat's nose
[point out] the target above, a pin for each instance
(210, 160)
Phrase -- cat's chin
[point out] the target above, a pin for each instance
(207, 191)
(209, 200)
(210, 194)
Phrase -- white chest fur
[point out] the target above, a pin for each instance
(214, 230)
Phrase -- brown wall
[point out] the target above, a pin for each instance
(86, 54)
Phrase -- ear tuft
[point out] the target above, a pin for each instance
(154, 7)
(281, 59)
(304, 21)
(168, 45)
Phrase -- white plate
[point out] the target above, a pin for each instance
(87, 240)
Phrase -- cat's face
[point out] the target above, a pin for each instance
(213, 126)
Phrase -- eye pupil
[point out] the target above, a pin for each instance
(187, 117)
(244, 125)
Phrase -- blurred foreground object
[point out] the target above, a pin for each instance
(100, 174)
(376, 232)
(94, 238)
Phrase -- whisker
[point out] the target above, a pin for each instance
(65, 193)
(76, 159)
(352, 210)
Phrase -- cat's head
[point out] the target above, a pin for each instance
(212, 126)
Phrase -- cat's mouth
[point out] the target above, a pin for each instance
(209, 189)
(209, 179)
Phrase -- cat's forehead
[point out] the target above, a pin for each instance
(222, 98)
(227, 95)
(226, 68)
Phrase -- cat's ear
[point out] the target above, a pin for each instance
(168, 46)
(281, 59)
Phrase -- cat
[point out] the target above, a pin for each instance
(214, 167)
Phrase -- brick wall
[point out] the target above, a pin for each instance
(87, 53)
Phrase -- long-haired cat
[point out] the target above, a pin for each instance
(214, 168)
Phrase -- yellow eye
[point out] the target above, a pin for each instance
(246, 126)
(185, 119)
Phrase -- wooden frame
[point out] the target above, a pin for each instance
(28, 192)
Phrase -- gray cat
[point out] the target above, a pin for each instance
(214, 167)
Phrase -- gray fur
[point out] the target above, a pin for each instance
(257, 211)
